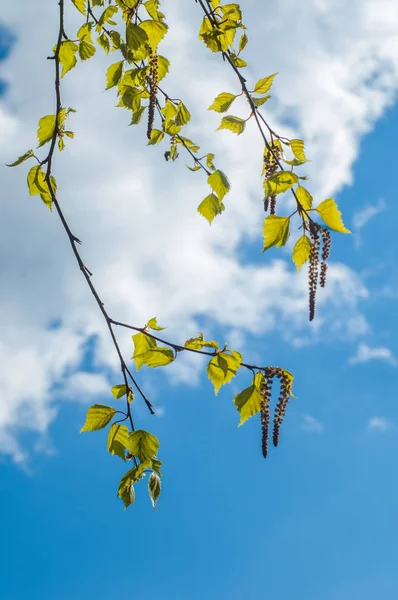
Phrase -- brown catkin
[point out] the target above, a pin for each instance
(265, 415)
(271, 157)
(153, 88)
(313, 268)
(326, 243)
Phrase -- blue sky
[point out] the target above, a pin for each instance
(317, 519)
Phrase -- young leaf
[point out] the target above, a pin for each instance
(301, 251)
(264, 85)
(154, 488)
(86, 50)
(157, 357)
(127, 494)
(248, 402)
(276, 231)
(155, 31)
(21, 159)
(183, 115)
(219, 183)
(329, 211)
(243, 42)
(80, 5)
(67, 56)
(119, 391)
(297, 147)
(36, 181)
(304, 197)
(279, 183)
(222, 368)
(262, 100)
(142, 344)
(114, 74)
(222, 102)
(46, 129)
(135, 36)
(156, 137)
(137, 115)
(142, 444)
(210, 207)
(234, 124)
(133, 476)
(199, 342)
(98, 417)
(153, 324)
(163, 67)
(103, 41)
(117, 439)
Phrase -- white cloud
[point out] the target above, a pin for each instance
(311, 425)
(81, 386)
(367, 213)
(151, 254)
(367, 354)
(379, 424)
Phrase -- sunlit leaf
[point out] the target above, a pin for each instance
(276, 231)
(157, 357)
(153, 324)
(222, 102)
(219, 183)
(46, 129)
(114, 74)
(264, 85)
(248, 402)
(261, 101)
(183, 115)
(199, 342)
(279, 183)
(36, 181)
(98, 417)
(103, 41)
(243, 42)
(329, 211)
(297, 147)
(117, 440)
(119, 391)
(142, 343)
(304, 197)
(80, 5)
(234, 124)
(155, 31)
(156, 137)
(222, 368)
(210, 207)
(143, 444)
(301, 251)
(135, 36)
(21, 159)
(67, 56)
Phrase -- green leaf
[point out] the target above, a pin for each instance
(86, 50)
(209, 161)
(67, 56)
(133, 476)
(234, 124)
(297, 147)
(219, 183)
(279, 183)
(248, 402)
(103, 41)
(21, 159)
(156, 466)
(264, 85)
(156, 137)
(135, 36)
(163, 67)
(152, 9)
(243, 42)
(98, 417)
(143, 444)
(84, 32)
(304, 197)
(183, 115)
(46, 129)
(261, 101)
(329, 211)
(107, 15)
(127, 494)
(276, 231)
(155, 31)
(117, 440)
(301, 251)
(222, 102)
(199, 342)
(157, 357)
(142, 343)
(154, 488)
(222, 368)
(118, 391)
(114, 74)
(137, 115)
(80, 5)
(36, 181)
(210, 207)
(153, 324)
(238, 62)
